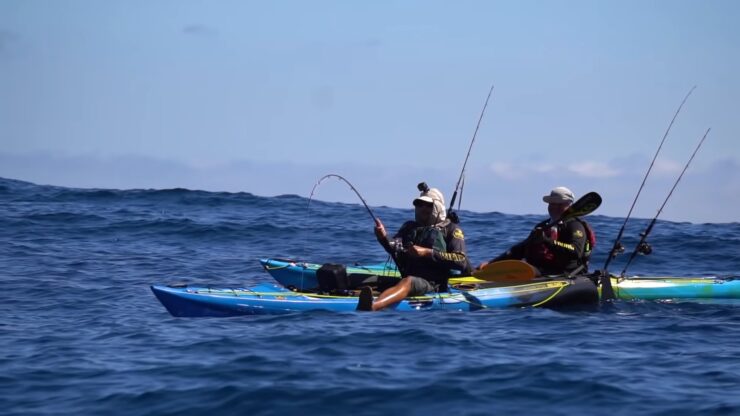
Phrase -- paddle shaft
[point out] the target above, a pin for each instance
(585, 205)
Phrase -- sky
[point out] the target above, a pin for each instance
(266, 97)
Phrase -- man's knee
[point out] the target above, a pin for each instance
(406, 281)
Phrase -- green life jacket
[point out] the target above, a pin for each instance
(429, 237)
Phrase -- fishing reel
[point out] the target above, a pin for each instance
(618, 249)
(452, 216)
(397, 246)
(644, 248)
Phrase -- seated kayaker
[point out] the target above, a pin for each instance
(426, 250)
(555, 247)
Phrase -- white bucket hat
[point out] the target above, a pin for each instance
(559, 195)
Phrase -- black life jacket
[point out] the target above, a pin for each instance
(590, 241)
(542, 254)
(428, 237)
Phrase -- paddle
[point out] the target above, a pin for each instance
(510, 271)
(507, 271)
(585, 205)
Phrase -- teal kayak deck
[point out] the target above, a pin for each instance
(302, 275)
(664, 288)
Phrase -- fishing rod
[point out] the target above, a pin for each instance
(369, 211)
(618, 247)
(450, 214)
(642, 246)
(334, 175)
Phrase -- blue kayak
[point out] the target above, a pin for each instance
(198, 301)
(302, 276)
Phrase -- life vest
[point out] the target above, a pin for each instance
(590, 241)
(429, 237)
(541, 253)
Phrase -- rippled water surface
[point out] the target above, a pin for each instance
(82, 334)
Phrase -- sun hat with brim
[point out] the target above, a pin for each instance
(559, 195)
(427, 200)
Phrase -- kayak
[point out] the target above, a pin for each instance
(665, 288)
(267, 299)
(302, 276)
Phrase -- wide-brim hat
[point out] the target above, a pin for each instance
(559, 195)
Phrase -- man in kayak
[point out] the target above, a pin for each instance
(554, 247)
(426, 250)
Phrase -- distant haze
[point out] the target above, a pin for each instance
(266, 97)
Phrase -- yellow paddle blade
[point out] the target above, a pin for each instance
(507, 271)
(467, 280)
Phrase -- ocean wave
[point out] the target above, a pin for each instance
(83, 334)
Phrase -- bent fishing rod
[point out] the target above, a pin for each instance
(369, 211)
(334, 175)
(451, 214)
(618, 247)
(642, 246)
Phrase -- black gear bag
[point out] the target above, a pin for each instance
(333, 278)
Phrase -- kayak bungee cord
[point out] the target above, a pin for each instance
(334, 175)
(451, 214)
(642, 246)
(606, 286)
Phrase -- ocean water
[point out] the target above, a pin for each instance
(81, 333)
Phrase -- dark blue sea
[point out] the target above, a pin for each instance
(81, 333)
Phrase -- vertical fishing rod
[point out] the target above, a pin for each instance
(459, 201)
(642, 246)
(453, 215)
(618, 247)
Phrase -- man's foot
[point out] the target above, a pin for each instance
(366, 299)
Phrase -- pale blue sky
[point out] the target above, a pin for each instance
(265, 97)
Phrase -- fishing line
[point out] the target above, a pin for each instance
(452, 215)
(641, 246)
(334, 175)
(618, 248)
(369, 211)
